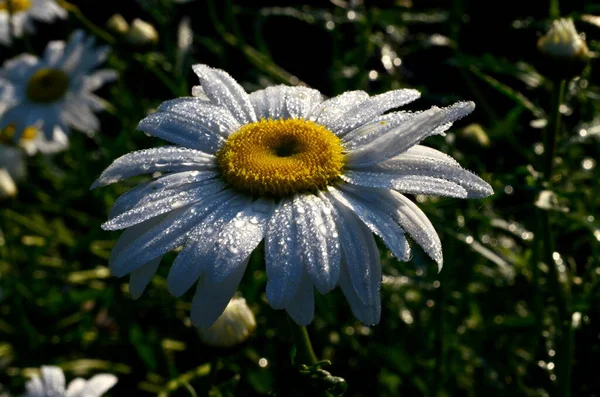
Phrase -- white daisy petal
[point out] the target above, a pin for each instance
(162, 159)
(361, 255)
(371, 108)
(211, 299)
(206, 115)
(301, 307)
(192, 261)
(99, 78)
(368, 313)
(269, 103)
(224, 91)
(98, 385)
(181, 130)
(178, 198)
(239, 237)
(411, 184)
(141, 277)
(407, 134)
(333, 109)
(53, 379)
(158, 189)
(169, 234)
(430, 153)
(412, 219)
(374, 129)
(282, 255)
(380, 222)
(75, 387)
(34, 387)
(300, 101)
(406, 165)
(318, 240)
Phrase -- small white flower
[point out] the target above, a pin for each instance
(314, 178)
(55, 91)
(233, 327)
(23, 14)
(51, 383)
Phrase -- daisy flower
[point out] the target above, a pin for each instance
(56, 90)
(51, 383)
(16, 16)
(314, 178)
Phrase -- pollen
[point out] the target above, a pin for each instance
(30, 133)
(15, 5)
(281, 157)
(47, 85)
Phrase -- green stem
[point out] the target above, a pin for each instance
(98, 31)
(554, 9)
(304, 351)
(553, 129)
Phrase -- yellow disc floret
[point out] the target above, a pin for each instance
(7, 135)
(47, 85)
(281, 157)
(15, 5)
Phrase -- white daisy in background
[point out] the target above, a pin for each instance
(314, 178)
(51, 383)
(16, 16)
(54, 93)
(12, 169)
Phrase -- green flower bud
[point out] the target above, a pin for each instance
(564, 51)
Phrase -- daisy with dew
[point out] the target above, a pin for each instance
(16, 16)
(55, 93)
(313, 178)
(51, 383)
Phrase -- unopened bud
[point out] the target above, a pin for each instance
(117, 24)
(235, 325)
(142, 33)
(7, 184)
(564, 50)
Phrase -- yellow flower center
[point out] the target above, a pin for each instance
(14, 5)
(9, 132)
(47, 85)
(281, 157)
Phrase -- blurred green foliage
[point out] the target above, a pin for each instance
(489, 324)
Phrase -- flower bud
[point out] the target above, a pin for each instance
(235, 325)
(142, 33)
(117, 24)
(564, 51)
(7, 184)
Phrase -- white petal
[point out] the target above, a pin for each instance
(367, 313)
(319, 243)
(179, 198)
(331, 110)
(412, 219)
(411, 184)
(197, 256)
(99, 78)
(158, 188)
(239, 238)
(376, 128)
(371, 108)
(361, 255)
(35, 387)
(162, 238)
(269, 103)
(208, 115)
(148, 161)
(211, 299)
(409, 164)
(380, 222)
(75, 387)
(54, 380)
(427, 152)
(191, 262)
(98, 385)
(407, 134)
(282, 255)
(141, 277)
(302, 307)
(224, 91)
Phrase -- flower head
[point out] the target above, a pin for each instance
(51, 383)
(16, 16)
(314, 178)
(54, 93)
(563, 41)
(233, 327)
